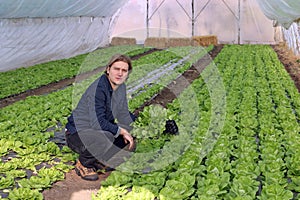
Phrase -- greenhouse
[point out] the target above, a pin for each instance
(213, 99)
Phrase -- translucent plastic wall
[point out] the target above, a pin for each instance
(28, 41)
(35, 31)
(285, 13)
(233, 21)
(292, 37)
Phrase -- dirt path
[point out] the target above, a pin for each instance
(290, 62)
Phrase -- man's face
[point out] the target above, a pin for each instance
(117, 73)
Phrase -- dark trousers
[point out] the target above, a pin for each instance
(93, 146)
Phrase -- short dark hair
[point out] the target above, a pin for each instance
(116, 58)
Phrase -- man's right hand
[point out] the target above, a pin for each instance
(127, 138)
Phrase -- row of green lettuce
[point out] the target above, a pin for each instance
(238, 136)
(22, 79)
(29, 162)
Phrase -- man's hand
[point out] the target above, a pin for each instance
(127, 138)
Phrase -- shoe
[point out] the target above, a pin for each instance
(100, 166)
(86, 173)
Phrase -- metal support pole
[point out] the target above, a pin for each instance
(147, 18)
(239, 22)
(193, 19)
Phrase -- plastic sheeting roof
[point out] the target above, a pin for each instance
(284, 12)
(58, 8)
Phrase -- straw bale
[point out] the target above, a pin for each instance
(156, 42)
(205, 40)
(116, 41)
(175, 42)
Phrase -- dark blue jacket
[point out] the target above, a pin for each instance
(100, 107)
